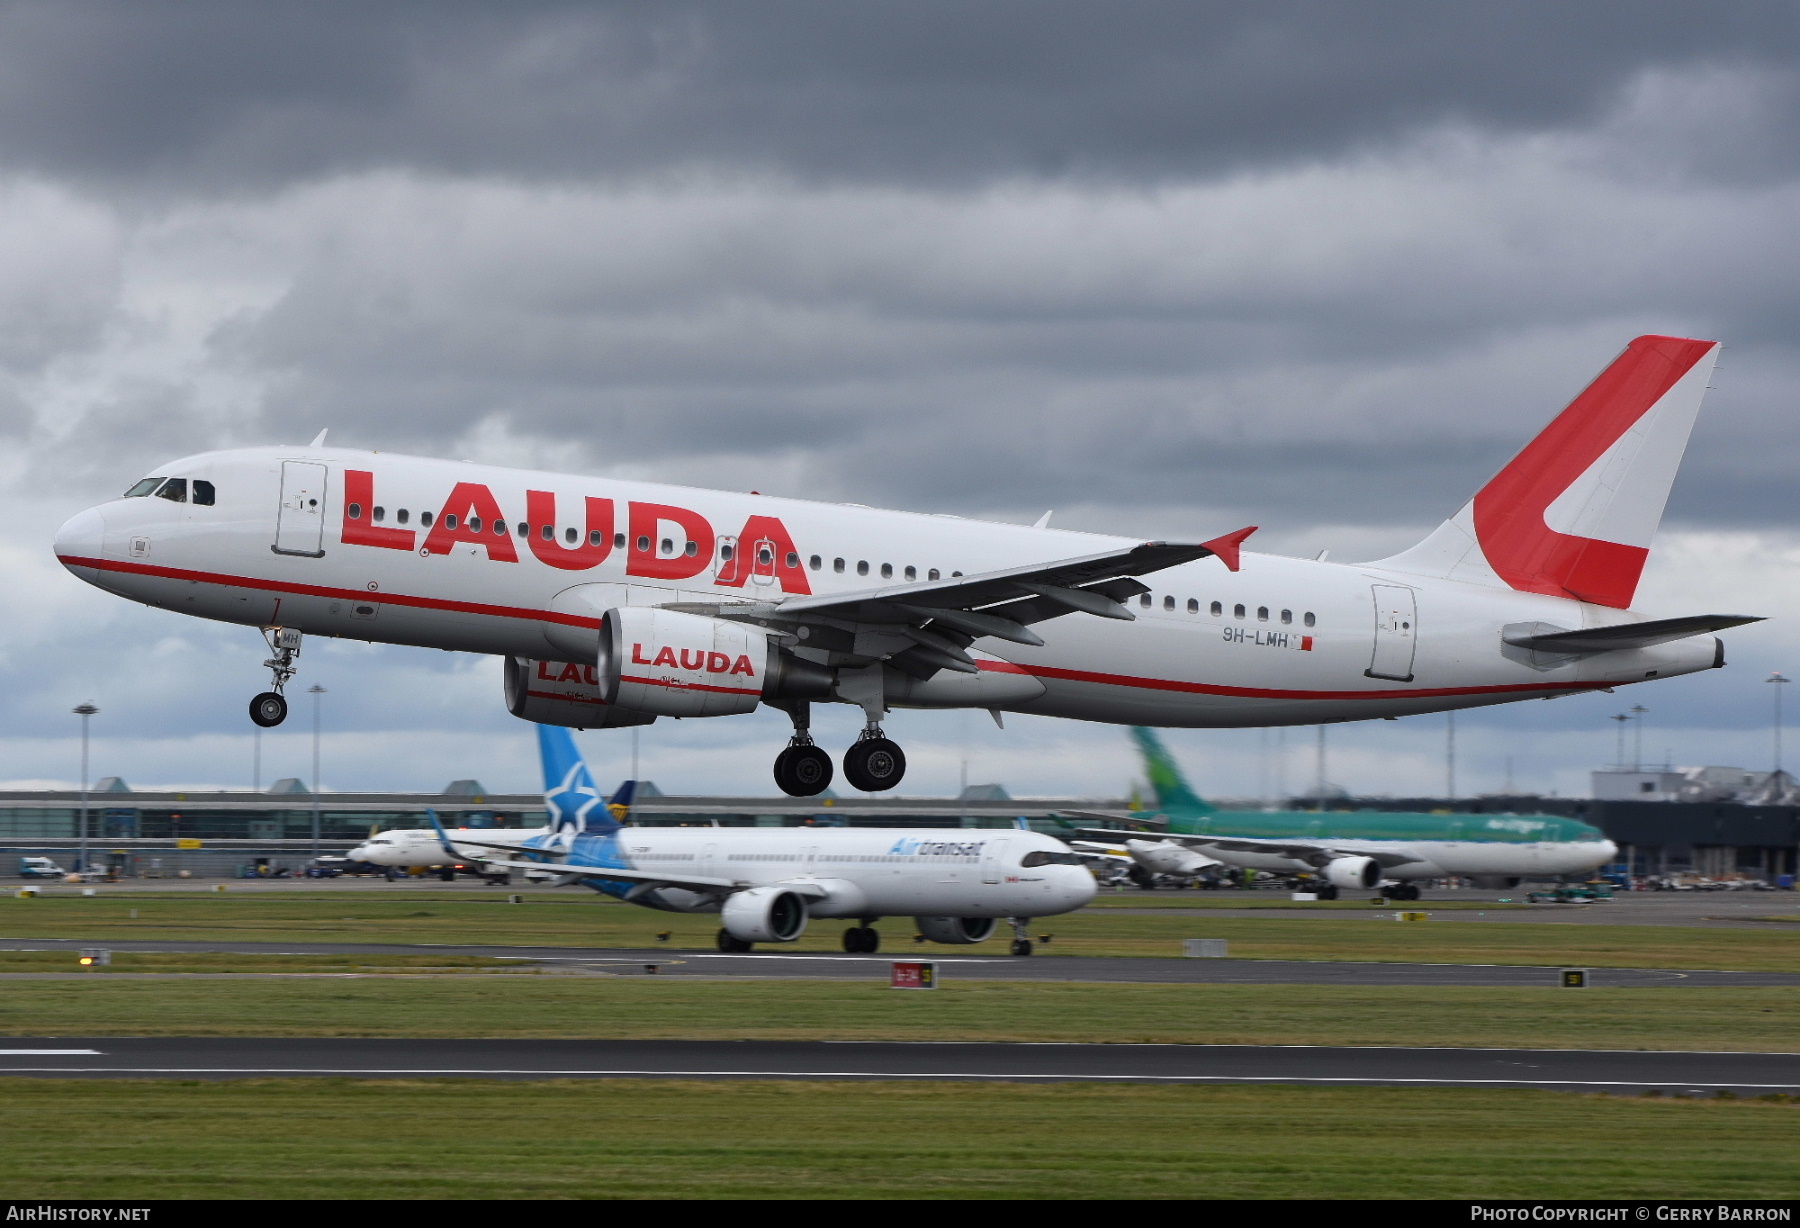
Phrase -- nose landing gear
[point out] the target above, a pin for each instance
(271, 707)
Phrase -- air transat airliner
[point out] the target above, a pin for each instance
(765, 884)
(615, 602)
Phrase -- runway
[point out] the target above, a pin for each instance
(974, 967)
(1622, 1072)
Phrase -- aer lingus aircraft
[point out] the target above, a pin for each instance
(616, 602)
(1184, 834)
(766, 883)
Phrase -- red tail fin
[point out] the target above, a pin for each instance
(1573, 514)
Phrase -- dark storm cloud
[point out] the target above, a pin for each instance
(236, 95)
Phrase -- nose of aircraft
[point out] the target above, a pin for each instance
(81, 536)
(1080, 886)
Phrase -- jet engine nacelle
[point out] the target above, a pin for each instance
(558, 693)
(1364, 872)
(668, 663)
(765, 914)
(957, 931)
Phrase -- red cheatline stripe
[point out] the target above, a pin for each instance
(568, 699)
(1243, 692)
(690, 686)
(341, 594)
(1001, 667)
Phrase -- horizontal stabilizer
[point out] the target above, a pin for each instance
(1628, 635)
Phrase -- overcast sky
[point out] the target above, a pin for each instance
(1166, 268)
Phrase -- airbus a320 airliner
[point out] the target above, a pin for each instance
(614, 602)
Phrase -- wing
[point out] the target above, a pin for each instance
(1137, 818)
(927, 626)
(1311, 852)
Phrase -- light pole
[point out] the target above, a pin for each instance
(1637, 738)
(84, 711)
(1779, 680)
(1450, 756)
(1619, 754)
(1320, 805)
(315, 691)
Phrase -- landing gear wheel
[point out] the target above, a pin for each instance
(802, 771)
(862, 940)
(1328, 892)
(1021, 946)
(874, 765)
(731, 944)
(268, 709)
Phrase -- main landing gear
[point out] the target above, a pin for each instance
(802, 770)
(271, 707)
(862, 939)
(873, 764)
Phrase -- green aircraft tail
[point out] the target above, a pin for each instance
(1172, 791)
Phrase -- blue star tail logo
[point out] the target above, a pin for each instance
(572, 801)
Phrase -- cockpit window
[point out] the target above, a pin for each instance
(174, 490)
(1049, 859)
(203, 493)
(142, 488)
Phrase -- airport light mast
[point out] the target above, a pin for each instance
(315, 690)
(1779, 680)
(84, 711)
(1619, 751)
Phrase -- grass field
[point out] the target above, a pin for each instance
(564, 1139)
(645, 1007)
(588, 921)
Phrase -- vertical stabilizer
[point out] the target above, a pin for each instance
(573, 799)
(1172, 792)
(1573, 514)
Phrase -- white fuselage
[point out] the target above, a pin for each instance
(417, 848)
(1445, 858)
(1281, 641)
(860, 872)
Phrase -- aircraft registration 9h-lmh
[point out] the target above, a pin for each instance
(615, 602)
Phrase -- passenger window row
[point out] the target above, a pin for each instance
(908, 572)
(1217, 610)
(475, 524)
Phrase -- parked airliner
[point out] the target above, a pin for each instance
(411, 848)
(766, 883)
(1343, 848)
(616, 602)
